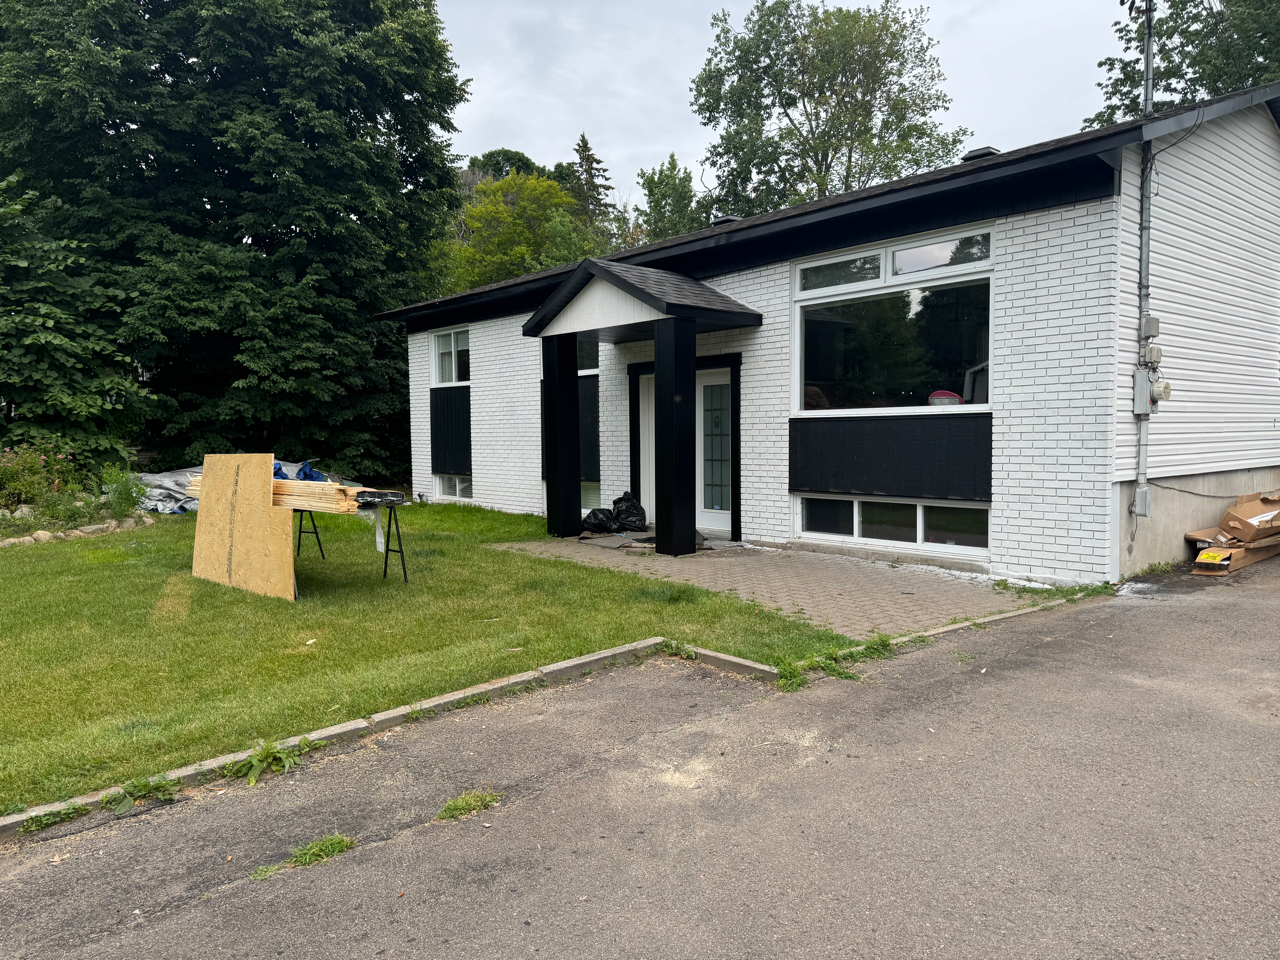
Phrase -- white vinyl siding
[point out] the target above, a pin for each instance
(1215, 285)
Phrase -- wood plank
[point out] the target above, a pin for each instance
(242, 539)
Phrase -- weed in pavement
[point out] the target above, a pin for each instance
(790, 678)
(139, 789)
(46, 820)
(674, 648)
(473, 801)
(273, 757)
(307, 855)
(317, 851)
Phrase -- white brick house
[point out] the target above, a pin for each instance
(939, 369)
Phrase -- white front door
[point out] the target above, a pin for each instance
(714, 455)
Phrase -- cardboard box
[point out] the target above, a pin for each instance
(1252, 517)
(1219, 561)
(1213, 537)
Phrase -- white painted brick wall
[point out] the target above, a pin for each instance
(506, 417)
(1055, 292)
(506, 445)
(420, 414)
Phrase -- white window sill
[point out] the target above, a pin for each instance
(925, 551)
(949, 410)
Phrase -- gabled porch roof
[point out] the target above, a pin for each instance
(658, 293)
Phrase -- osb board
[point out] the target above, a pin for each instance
(241, 539)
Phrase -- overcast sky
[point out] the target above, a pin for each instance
(1018, 71)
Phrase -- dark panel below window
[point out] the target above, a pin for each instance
(939, 457)
(589, 425)
(451, 430)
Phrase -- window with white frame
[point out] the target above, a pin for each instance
(453, 488)
(931, 526)
(902, 326)
(453, 357)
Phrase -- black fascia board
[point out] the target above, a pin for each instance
(569, 288)
(1195, 115)
(800, 221)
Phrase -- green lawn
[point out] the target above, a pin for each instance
(118, 663)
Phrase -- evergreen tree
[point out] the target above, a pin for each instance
(263, 177)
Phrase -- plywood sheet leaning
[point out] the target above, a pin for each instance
(241, 539)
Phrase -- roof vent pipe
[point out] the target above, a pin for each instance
(724, 218)
(979, 153)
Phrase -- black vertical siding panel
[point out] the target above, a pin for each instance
(451, 430)
(945, 457)
(589, 427)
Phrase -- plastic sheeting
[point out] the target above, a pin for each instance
(167, 492)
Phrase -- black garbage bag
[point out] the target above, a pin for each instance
(628, 514)
(598, 521)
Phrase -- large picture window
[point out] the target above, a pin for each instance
(911, 348)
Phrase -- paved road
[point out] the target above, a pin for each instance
(1097, 781)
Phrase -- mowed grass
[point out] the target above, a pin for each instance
(118, 663)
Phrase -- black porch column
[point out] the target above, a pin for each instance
(560, 435)
(674, 409)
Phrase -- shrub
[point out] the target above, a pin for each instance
(122, 490)
(30, 471)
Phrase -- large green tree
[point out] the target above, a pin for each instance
(61, 374)
(1203, 49)
(810, 101)
(513, 226)
(672, 206)
(262, 177)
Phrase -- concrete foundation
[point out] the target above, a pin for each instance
(1178, 504)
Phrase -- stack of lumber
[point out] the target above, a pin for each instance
(304, 495)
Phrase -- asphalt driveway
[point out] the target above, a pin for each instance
(1093, 781)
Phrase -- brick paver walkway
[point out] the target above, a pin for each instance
(851, 596)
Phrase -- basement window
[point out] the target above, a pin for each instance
(928, 526)
(453, 488)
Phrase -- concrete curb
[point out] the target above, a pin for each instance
(354, 729)
(579, 665)
(746, 668)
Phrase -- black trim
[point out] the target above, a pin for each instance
(589, 427)
(674, 441)
(633, 417)
(560, 431)
(718, 361)
(451, 430)
(927, 457)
